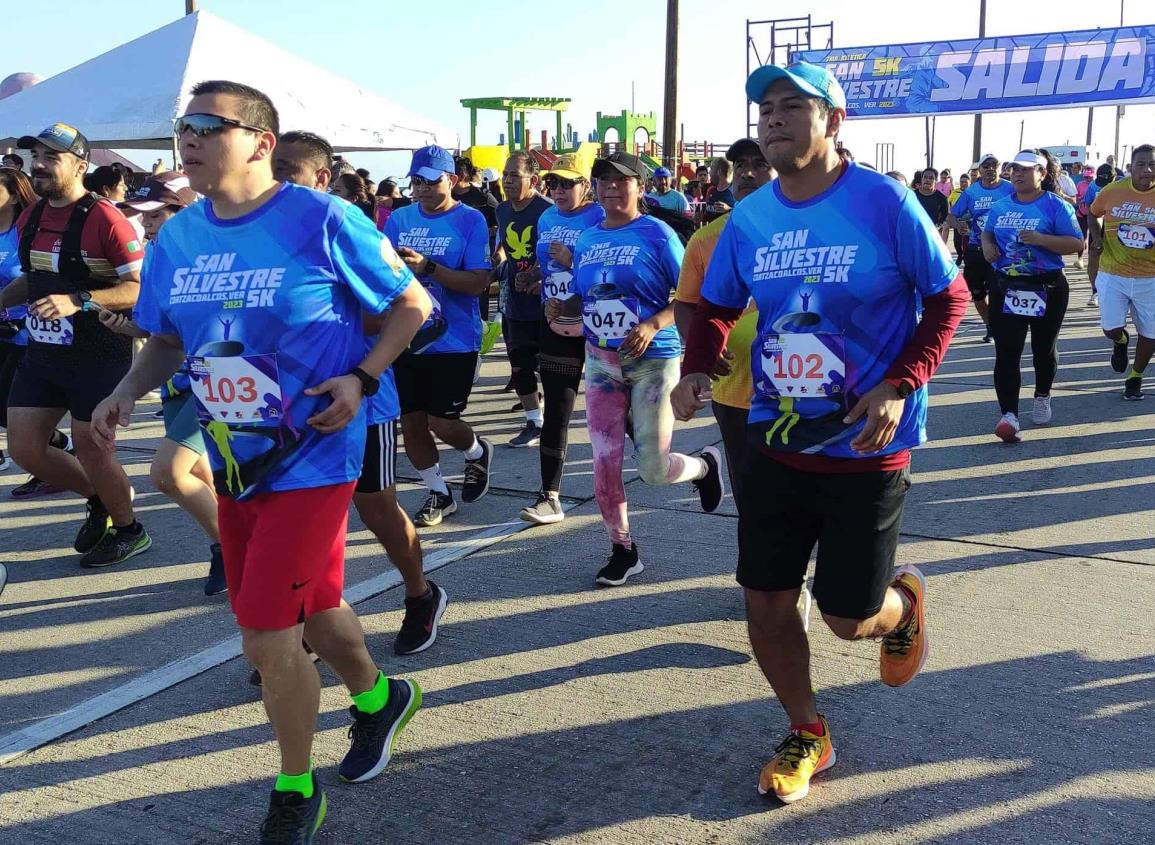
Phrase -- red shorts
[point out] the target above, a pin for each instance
(285, 554)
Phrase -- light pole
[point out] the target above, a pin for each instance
(670, 118)
(978, 142)
(1118, 109)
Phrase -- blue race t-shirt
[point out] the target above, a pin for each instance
(1050, 214)
(9, 270)
(974, 203)
(564, 227)
(459, 240)
(625, 276)
(671, 201)
(835, 280)
(385, 406)
(267, 305)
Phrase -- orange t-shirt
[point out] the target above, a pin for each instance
(1128, 230)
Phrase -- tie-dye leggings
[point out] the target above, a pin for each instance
(613, 388)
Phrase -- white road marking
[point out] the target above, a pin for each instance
(20, 742)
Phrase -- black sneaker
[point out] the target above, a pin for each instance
(34, 487)
(117, 546)
(216, 584)
(711, 489)
(97, 523)
(1133, 389)
(419, 627)
(437, 506)
(529, 436)
(294, 819)
(1119, 354)
(476, 482)
(987, 336)
(621, 565)
(373, 735)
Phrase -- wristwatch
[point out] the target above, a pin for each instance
(429, 267)
(85, 297)
(902, 386)
(369, 385)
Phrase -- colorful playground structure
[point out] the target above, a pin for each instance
(630, 131)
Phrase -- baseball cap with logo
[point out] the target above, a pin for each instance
(624, 163)
(431, 162)
(988, 157)
(569, 166)
(60, 137)
(169, 188)
(811, 80)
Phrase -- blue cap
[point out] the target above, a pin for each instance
(811, 80)
(430, 162)
(662, 171)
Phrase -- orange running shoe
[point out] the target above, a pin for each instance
(797, 759)
(904, 650)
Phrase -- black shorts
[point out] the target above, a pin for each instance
(978, 273)
(78, 390)
(379, 469)
(438, 384)
(853, 517)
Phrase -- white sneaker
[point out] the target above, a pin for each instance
(1079, 264)
(1093, 301)
(1042, 413)
(1007, 428)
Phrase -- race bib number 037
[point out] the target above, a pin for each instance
(1025, 303)
(57, 332)
(610, 319)
(801, 366)
(237, 391)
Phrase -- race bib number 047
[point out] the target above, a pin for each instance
(610, 319)
(237, 391)
(57, 332)
(1025, 303)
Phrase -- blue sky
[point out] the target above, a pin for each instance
(427, 60)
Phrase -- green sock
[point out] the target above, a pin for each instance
(1135, 374)
(295, 783)
(374, 700)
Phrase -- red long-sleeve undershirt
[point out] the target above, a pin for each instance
(915, 365)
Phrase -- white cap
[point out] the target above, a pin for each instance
(490, 175)
(985, 156)
(1029, 159)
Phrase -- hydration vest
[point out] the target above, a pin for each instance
(71, 264)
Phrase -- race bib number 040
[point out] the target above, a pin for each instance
(237, 391)
(1025, 303)
(610, 319)
(801, 366)
(1136, 236)
(557, 286)
(57, 332)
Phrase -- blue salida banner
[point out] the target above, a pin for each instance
(1007, 73)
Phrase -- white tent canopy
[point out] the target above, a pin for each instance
(128, 97)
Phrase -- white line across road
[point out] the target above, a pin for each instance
(20, 742)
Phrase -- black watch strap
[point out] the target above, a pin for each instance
(369, 385)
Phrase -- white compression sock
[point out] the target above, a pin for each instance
(475, 451)
(433, 480)
(536, 417)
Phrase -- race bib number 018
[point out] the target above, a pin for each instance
(801, 366)
(1136, 236)
(237, 391)
(557, 286)
(610, 319)
(1025, 303)
(57, 332)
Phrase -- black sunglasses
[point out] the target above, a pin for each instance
(419, 181)
(553, 182)
(202, 125)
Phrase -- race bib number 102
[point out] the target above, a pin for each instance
(237, 391)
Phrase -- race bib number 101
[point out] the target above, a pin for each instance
(1136, 236)
(237, 391)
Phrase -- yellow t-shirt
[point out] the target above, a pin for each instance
(737, 389)
(1128, 230)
